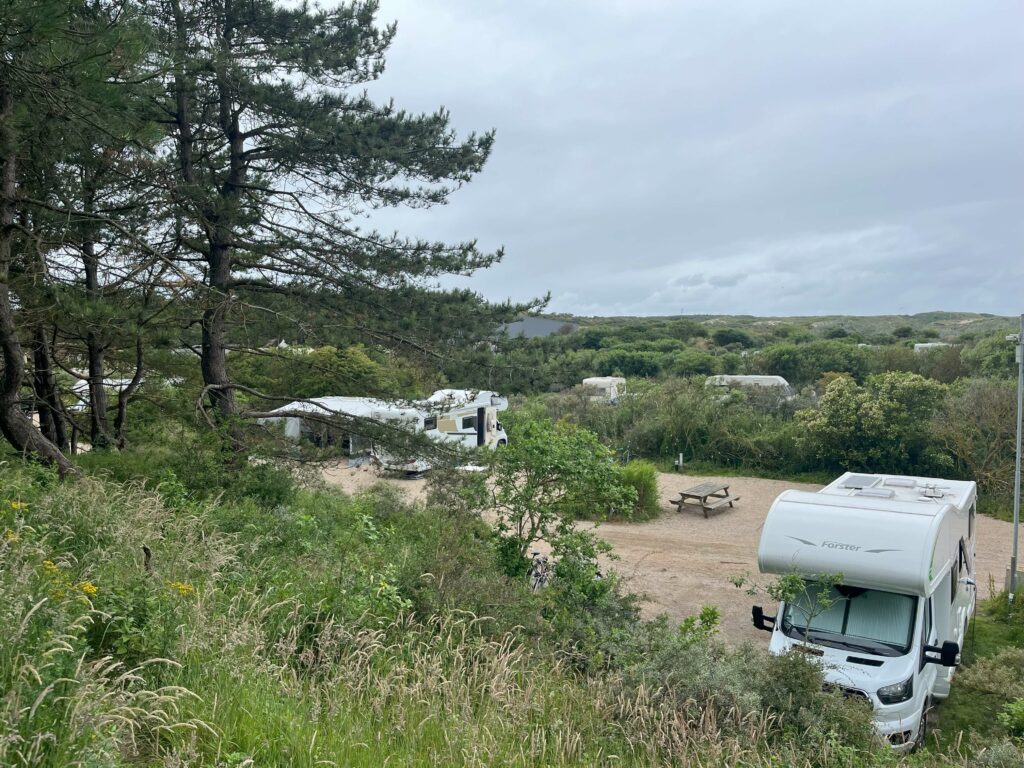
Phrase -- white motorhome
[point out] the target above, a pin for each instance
(775, 384)
(929, 346)
(80, 390)
(608, 388)
(466, 417)
(892, 629)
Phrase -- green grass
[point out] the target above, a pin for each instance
(706, 469)
(969, 712)
(328, 630)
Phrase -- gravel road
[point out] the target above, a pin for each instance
(682, 561)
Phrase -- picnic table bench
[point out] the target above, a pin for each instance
(708, 496)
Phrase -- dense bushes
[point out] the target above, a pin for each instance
(897, 422)
(680, 416)
(801, 350)
(884, 426)
(334, 629)
(642, 476)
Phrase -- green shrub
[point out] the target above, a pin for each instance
(1000, 754)
(1012, 717)
(689, 671)
(999, 675)
(642, 476)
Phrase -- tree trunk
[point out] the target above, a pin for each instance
(15, 424)
(125, 395)
(214, 343)
(48, 405)
(217, 225)
(95, 348)
(221, 234)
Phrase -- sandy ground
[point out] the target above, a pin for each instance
(360, 478)
(682, 561)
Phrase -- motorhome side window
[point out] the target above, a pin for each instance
(429, 423)
(963, 560)
(926, 629)
(469, 422)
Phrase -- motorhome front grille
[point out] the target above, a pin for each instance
(848, 693)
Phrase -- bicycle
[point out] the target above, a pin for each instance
(540, 571)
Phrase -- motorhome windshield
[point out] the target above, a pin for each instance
(852, 618)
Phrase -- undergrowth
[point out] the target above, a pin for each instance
(152, 623)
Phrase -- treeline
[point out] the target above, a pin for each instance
(662, 348)
(894, 422)
(181, 182)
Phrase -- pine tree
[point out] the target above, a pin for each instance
(278, 154)
(60, 62)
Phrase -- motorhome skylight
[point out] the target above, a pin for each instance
(900, 482)
(860, 481)
(878, 493)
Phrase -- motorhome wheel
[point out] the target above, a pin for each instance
(922, 728)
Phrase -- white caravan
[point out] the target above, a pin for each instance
(608, 388)
(892, 630)
(80, 390)
(776, 384)
(466, 417)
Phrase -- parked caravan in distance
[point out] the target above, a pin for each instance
(466, 417)
(607, 388)
(775, 384)
(80, 390)
(892, 629)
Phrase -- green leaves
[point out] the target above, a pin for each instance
(549, 474)
(882, 426)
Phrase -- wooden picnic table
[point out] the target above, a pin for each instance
(708, 496)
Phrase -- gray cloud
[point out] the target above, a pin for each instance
(798, 157)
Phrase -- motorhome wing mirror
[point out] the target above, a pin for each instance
(949, 654)
(757, 612)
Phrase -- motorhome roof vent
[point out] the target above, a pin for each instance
(900, 482)
(877, 493)
(860, 481)
(933, 492)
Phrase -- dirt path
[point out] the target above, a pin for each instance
(681, 561)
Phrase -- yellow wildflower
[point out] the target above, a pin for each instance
(182, 588)
(51, 568)
(10, 536)
(17, 505)
(88, 588)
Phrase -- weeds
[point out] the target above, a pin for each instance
(332, 631)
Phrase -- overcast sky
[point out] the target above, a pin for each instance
(725, 156)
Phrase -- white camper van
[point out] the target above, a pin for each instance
(891, 631)
(466, 417)
(606, 388)
(774, 384)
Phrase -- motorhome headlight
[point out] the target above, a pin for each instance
(894, 694)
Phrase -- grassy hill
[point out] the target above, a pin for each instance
(148, 624)
(946, 325)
